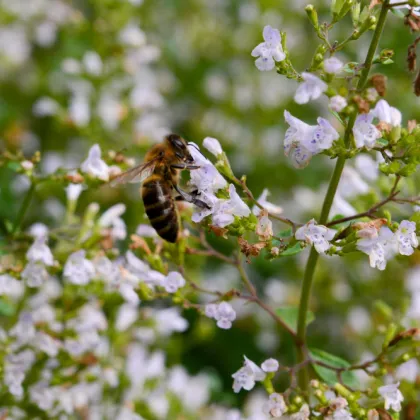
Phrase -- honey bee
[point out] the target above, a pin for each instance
(160, 174)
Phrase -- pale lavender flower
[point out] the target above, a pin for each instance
(270, 365)
(40, 252)
(224, 315)
(169, 320)
(338, 103)
(127, 314)
(93, 63)
(406, 237)
(78, 270)
(11, 287)
(35, 274)
(111, 219)
(333, 65)
(132, 36)
(316, 235)
(247, 375)
(94, 165)
(213, 146)
(365, 133)
(38, 229)
(73, 191)
(379, 248)
(392, 396)
(79, 109)
(269, 51)
(311, 88)
(45, 107)
(276, 406)
(173, 281)
(386, 113)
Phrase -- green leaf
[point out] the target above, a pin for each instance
(382, 141)
(14, 166)
(398, 12)
(287, 233)
(289, 314)
(328, 375)
(293, 250)
(6, 308)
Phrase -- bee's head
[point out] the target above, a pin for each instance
(179, 146)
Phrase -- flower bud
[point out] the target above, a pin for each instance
(390, 334)
(312, 15)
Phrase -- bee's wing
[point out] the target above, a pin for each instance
(137, 174)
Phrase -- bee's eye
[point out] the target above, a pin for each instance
(176, 141)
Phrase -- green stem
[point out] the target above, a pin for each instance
(326, 207)
(24, 208)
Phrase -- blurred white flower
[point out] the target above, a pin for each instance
(79, 109)
(111, 219)
(379, 248)
(392, 396)
(351, 184)
(270, 207)
(47, 344)
(386, 113)
(264, 228)
(270, 365)
(169, 321)
(38, 229)
(71, 66)
(132, 36)
(45, 107)
(78, 270)
(406, 237)
(333, 65)
(14, 44)
(269, 51)
(213, 146)
(46, 33)
(146, 231)
(73, 191)
(11, 287)
(35, 274)
(222, 312)
(110, 110)
(338, 103)
(173, 281)
(275, 407)
(311, 88)
(316, 235)
(127, 314)
(94, 165)
(247, 375)
(365, 133)
(93, 63)
(39, 251)
(15, 367)
(368, 167)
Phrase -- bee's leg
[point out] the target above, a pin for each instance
(190, 198)
(184, 166)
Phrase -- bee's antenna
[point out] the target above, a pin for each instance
(190, 143)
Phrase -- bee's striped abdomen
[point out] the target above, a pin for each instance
(160, 207)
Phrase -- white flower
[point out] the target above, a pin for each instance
(270, 365)
(316, 235)
(269, 51)
(127, 314)
(93, 63)
(173, 281)
(211, 310)
(38, 229)
(247, 375)
(207, 178)
(275, 407)
(406, 237)
(213, 146)
(365, 133)
(379, 247)
(11, 287)
(94, 165)
(132, 36)
(270, 207)
(224, 211)
(111, 219)
(342, 414)
(79, 109)
(39, 251)
(338, 103)
(368, 167)
(224, 316)
(146, 231)
(302, 414)
(333, 65)
(45, 107)
(35, 274)
(311, 88)
(78, 270)
(392, 396)
(302, 141)
(169, 320)
(386, 113)
(73, 191)
(47, 344)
